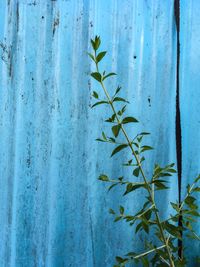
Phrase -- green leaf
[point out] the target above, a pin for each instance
(129, 119)
(100, 140)
(129, 218)
(100, 103)
(120, 112)
(96, 42)
(117, 90)
(197, 179)
(144, 148)
(108, 75)
(118, 218)
(121, 209)
(188, 225)
(116, 129)
(144, 133)
(119, 99)
(95, 95)
(118, 148)
(111, 119)
(131, 187)
(175, 206)
(173, 230)
(135, 144)
(190, 200)
(131, 254)
(111, 139)
(111, 211)
(191, 212)
(140, 139)
(196, 189)
(113, 185)
(171, 170)
(96, 76)
(103, 177)
(120, 260)
(165, 171)
(104, 136)
(128, 188)
(100, 56)
(138, 227)
(92, 57)
(145, 261)
(160, 185)
(136, 172)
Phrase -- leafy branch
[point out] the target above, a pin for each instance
(167, 233)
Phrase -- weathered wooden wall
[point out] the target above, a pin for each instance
(53, 211)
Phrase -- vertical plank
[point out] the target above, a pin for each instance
(53, 211)
(189, 86)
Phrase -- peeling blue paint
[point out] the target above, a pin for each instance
(53, 211)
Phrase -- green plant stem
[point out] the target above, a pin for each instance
(141, 170)
(124, 182)
(149, 251)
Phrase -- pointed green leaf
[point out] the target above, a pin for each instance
(119, 99)
(95, 95)
(110, 187)
(144, 148)
(197, 179)
(100, 140)
(138, 227)
(196, 189)
(111, 211)
(104, 136)
(117, 90)
(92, 57)
(121, 209)
(96, 42)
(136, 172)
(144, 133)
(120, 260)
(160, 185)
(129, 119)
(171, 170)
(131, 187)
(120, 112)
(173, 230)
(190, 200)
(100, 56)
(99, 103)
(116, 129)
(103, 177)
(108, 75)
(145, 261)
(175, 206)
(118, 148)
(111, 119)
(96, 76)
(118, 218)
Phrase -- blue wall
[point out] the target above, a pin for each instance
(53, 211)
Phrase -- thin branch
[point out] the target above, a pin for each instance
(140, 167)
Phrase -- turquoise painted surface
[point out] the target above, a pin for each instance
(190, 80)
(53, 211)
